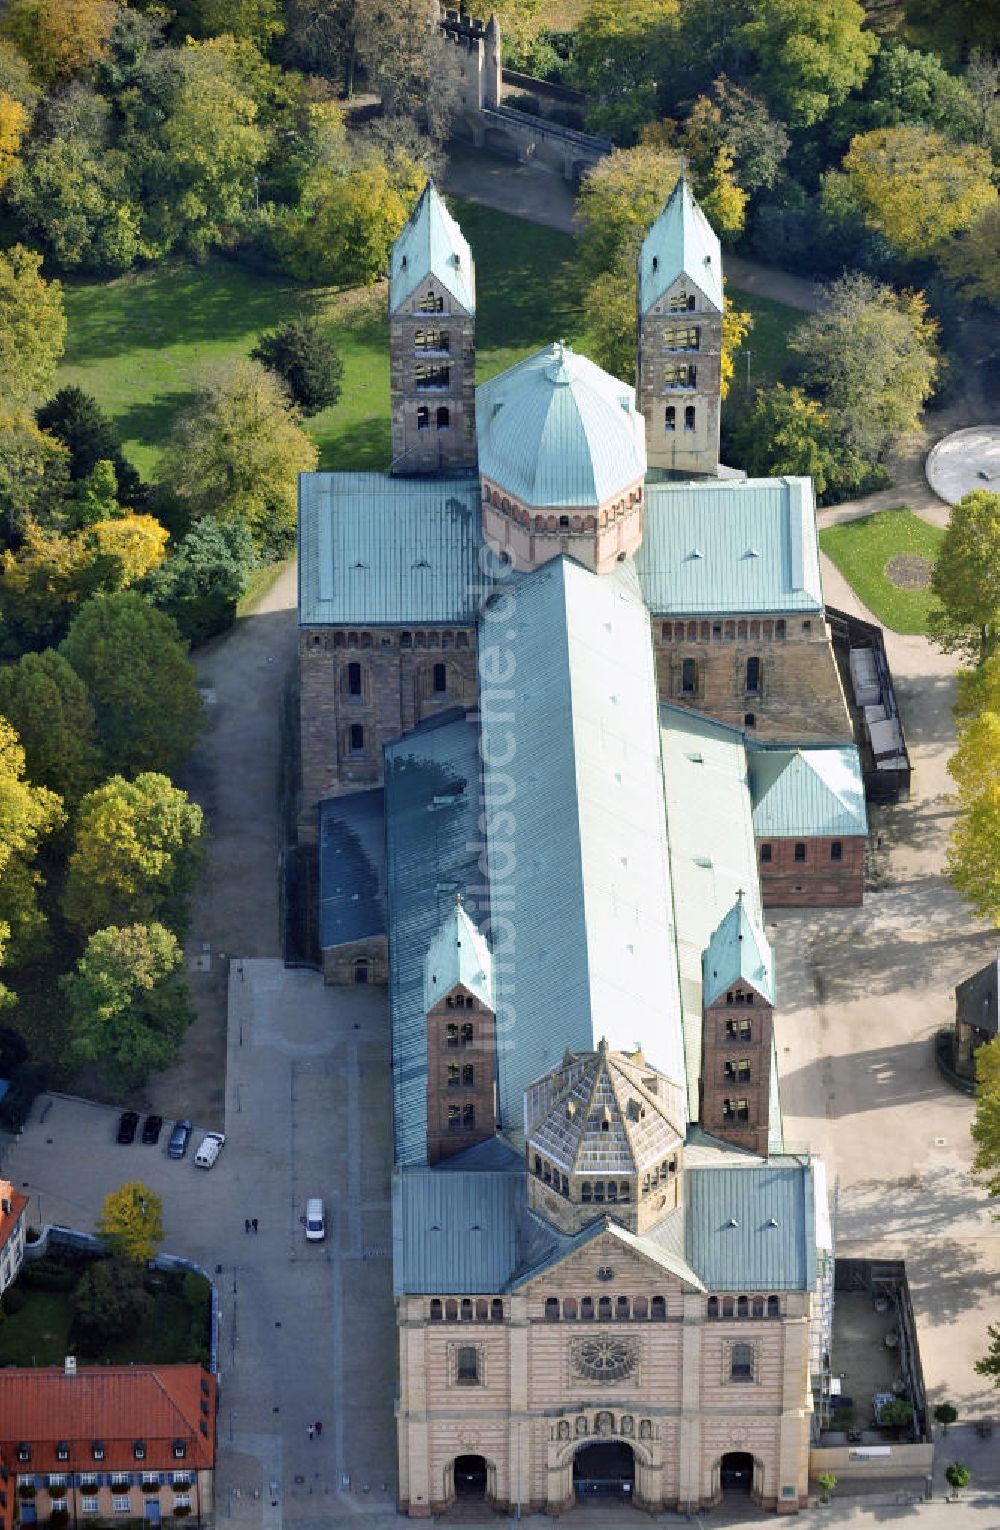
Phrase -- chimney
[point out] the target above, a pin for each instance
(69, 1366)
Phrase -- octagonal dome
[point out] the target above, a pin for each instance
(556, 430)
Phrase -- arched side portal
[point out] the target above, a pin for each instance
(738, 1474)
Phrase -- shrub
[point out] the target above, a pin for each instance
(47, 1275)
(899, 1412)
(14, 1300)
(946, 1413)
(826, 1481)
(957, 1476)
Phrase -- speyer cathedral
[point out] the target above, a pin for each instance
(571, 720)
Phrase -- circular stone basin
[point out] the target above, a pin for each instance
(908, 571)
(965, 460)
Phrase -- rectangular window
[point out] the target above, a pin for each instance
(800, 851)
(428, 374)
(468, 1117)
(59, 1503)
(752, 685)
(836, 851)
(151, 1478)
(736, 1110)
(357, 738)
(468, 1076)
(454, 1076)
(56, 1480)
(119, 1479)
(689, 677)
(467, 1035)
(740, 1028)
(182, 1500)
(681, 302)
(765, 855)
(440, 677)
(679, 377)
(432, 340)
(452, 1035)
(467, 1366)
(738, 1068)
(431, 302)
(88, 1503)
(121, 1503)
(741, 1362)
(181, 1479)
(688, 338)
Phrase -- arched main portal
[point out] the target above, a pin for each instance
(736, 1474)
(470, 1477)
(604, 1469)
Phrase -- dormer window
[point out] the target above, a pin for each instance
(24, 1451)
(180, 1450)
(97, 1450)
(62, 1451)
(139, 1450)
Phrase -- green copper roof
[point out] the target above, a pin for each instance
(395, 551)
(738, 949)
(681, 242)
(456, 1233)
(712, 850)
(458, 956)
(739, 547)
(556, 430)
(576, 839)
(751, 1227)
(802, 793)
(432, 244)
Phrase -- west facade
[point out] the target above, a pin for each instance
(570, 664)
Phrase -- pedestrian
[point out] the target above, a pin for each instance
(311, 1430)
(246, 1224)
(318, 1426)
(253, 1224)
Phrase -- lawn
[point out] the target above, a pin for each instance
(137, 343)
(863, 549)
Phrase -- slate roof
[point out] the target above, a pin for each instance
(458, 956)
(605, 1113)
(799, 793)
(351, 868)
(976, 998)
(12, 1209)
(681, 242)
(738, 949)
(557, 430)
(432, 244)
(712, 850)
(588, 915)
(456, 1232)
(116, 1404)
(721, 546)
(752, 1228)
(432, 852)
(376, 550)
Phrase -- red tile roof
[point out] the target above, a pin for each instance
(9, 1219)
(116, 1404)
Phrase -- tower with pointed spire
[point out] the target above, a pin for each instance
(432, 342)
(461, 1038)
(678, 369)
(738, 1016)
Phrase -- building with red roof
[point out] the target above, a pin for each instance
(105, 1443)
(13, 1217)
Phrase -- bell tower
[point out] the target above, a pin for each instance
(678, 369)
(432, 343)
(737, 1031)
(461, 1038)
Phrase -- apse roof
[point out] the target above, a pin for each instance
(432, 244)
(808, 791)
(718, 546)
(681, 242)
(738, 950)
(557, 430)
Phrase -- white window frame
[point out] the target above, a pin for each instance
(89, 1503)
(182, 1500)
(149, 1478)
(121, 1503)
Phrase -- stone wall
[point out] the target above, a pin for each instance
(725, 1043)
(797, 695)
(535, 1403)
(449, 1087)
(819, 881)
(433, 423)
(340, 963)
(682, 419)
(397, 679)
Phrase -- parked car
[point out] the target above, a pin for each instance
(127, 1123)
(209, 1149)
(152, 1126)
(177, 1146)
(315, 1220)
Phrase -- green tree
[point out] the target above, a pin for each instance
(126, 548)
(59, 37)
(615, 54)
(989, 1365)
(131, 1222)
(957, 1476)
(973, 862)
(343, 228)
(953, 31)
(237, 453)
(917, 188)
(77, 420)
(970, 261)
(619, 199)
(47, 703)
(303, 355)
(986, 1123)
(201, 583)
(417, 73)
(109, 1302)
(141, 682)
(258, 21)
(28, 815)
(809, 54)
(870, 355)
(135, 856)
(787, 432)
(907, 86)
(945, 1413)
(34, 476)
(757, 141)
(44, 582)
(78, 201)
(32, 329)
(128, 1006)
(210, 148)
(966, 578)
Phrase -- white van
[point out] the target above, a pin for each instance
(315, 1220)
